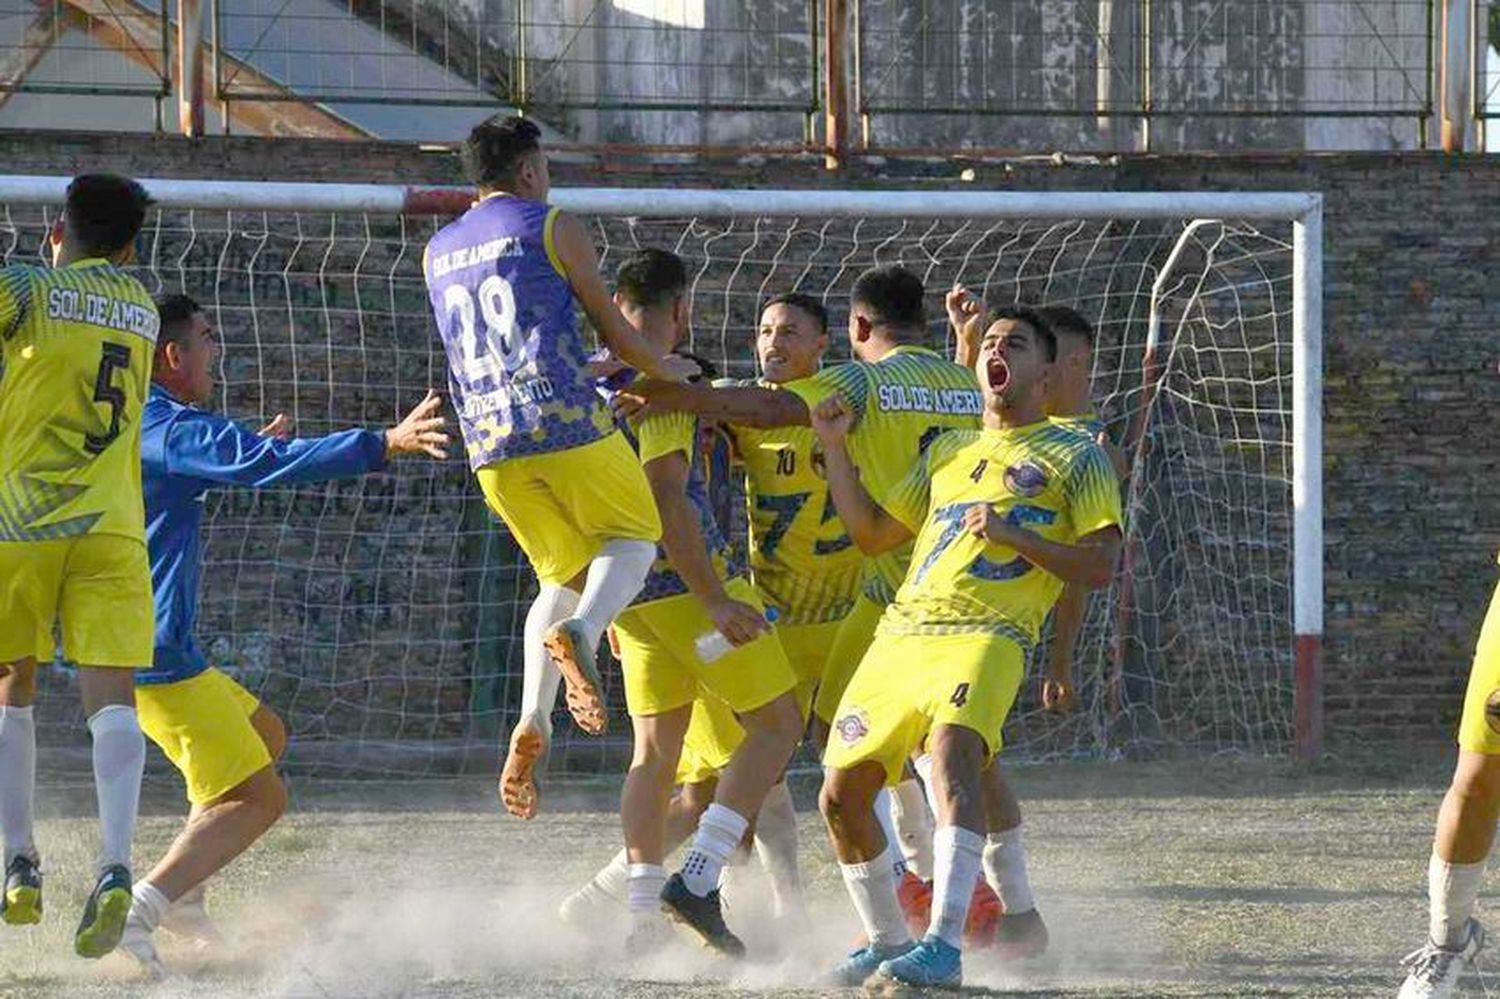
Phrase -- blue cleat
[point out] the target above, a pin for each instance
(932, 964)
(854, 970)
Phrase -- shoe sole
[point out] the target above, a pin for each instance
(880, 985)
(517, 778)
(103, 934)
(582, 687)
(23, 906)
(736, 949)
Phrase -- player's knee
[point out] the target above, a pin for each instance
(844, 800)
(274, 799)
(18, 683)
(272, 731)
(697, 797)
(781, 719)
(1477, 778)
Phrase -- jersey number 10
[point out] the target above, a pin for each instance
(495, 350)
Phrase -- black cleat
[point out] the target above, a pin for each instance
(704, 916)
(22, 901)
(104, 913)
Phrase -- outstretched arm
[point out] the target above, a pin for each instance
(576, 251)
(214, 448)
(737, 406)
(867, 522)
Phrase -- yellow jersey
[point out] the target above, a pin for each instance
(802, 560)
(1043, 477)
(1087, 424)
(901, 403)
(77, 344)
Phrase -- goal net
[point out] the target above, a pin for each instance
(382, 617)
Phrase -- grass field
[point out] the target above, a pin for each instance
(1216, 878)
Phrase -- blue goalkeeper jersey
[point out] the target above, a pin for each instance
(185, 452)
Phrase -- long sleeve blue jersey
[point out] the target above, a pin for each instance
(186, 451)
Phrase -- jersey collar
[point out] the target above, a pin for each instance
(86, 262)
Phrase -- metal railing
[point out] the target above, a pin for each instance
(930, 74)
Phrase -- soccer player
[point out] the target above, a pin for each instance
(1465, 831)
(803, 564)
(218, 735)
(902, 395)
(1002, 517)
(694, 589)
(76, 343)
(502, 279)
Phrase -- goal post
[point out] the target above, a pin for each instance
(369, 612)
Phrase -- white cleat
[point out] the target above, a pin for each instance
(591, 909)
(136, 941)
(188, 918)
(1433, 972)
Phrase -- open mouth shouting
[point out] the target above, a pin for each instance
(998, 374)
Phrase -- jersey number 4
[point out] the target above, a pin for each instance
(116, 357)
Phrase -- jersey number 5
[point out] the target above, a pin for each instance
(116, 356)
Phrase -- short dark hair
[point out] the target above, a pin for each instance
(103, 212)
(893, 295)
(651, 277)
(803, 302)
(495, 147)
(175, 310)
(1066, 319)
(1031, 317)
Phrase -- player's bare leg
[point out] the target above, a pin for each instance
(532, 735)
(1460, 848)
(643, 814)
(22, 899)
(864, 855)
(613, 580)
(1020, 932)
(691, 895)
(215, 833)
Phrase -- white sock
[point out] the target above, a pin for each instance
(776, 846)
(883, 806)
(957, 860)
(540, 678)
(923, 766)
(872, 889)
(613, 879)
(719, 833)
(1005, 870)
(148, 906)
(615, 577)
(17, 780)
(913, 827)
(1451, 891)
(644, 894)
(119, 758)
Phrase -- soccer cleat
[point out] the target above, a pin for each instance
(647, 939)
(915, 896)
(983, 924)
(1020, 936)
(104, 913)
(22, 901)
(528, 743)
(567, 644)
(704, 916)
(932, 964)
(188, 918)
(857, 968)
(1433, 972)
(136, 941)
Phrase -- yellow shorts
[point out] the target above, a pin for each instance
(1479, 731)
(712, 737)
(563, 506)
(908, 685)
(661, 665)
(98, 586)
(202, 725)
(807, 648)
(855, 634)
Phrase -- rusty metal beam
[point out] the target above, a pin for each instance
(136, 33)
(16, 64)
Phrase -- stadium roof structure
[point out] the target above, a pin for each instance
(311, 68)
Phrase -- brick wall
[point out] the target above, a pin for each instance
(1411, 390)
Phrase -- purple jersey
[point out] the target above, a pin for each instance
(515, 354)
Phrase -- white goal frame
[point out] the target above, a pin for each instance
(1304, 210)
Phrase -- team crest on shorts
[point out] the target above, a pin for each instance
(852, 727)
(1026, 479)
(1492, 711)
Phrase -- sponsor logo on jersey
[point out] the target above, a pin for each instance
(852, 727)
(1026, 479)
